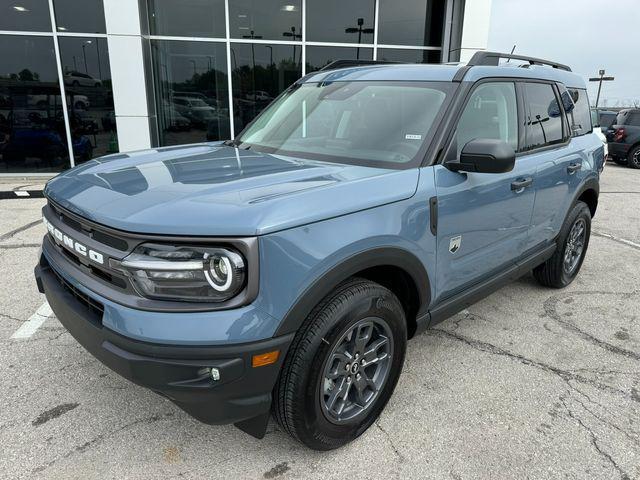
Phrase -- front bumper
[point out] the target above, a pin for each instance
(174, 371)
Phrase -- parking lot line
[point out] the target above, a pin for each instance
(624, 241)
(29, 327)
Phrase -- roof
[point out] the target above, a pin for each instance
(443, 73)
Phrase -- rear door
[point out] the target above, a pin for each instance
(483, 218)
(558, 160)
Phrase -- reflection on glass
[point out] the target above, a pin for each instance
(418, 22)
(87, 79)
(25, 16)
(260, 73)
(408, 56)
(192, 97)
(543, 118)
(86, 16)
(318, 57)
(32, 131)
(266, 19)
(340, 21)
(361, 122)
(187, 18)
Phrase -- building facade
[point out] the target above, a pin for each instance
(136, 74)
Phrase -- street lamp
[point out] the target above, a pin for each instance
(84, 56)
(294, 36)
(253, 56)
(359, 30)
(600, 79)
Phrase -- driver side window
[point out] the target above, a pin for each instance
(491, 112)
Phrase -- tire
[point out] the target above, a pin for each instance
(560, 270)
(302, 393)
(633, 159)
(620, 161)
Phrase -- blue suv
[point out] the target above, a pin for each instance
(284, 271)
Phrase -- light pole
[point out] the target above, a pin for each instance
(294, 36)
(359, 30)
(600, 79)
(253, 59)
(84, 56)
(271, 62)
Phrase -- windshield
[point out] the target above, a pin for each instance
(384, 123)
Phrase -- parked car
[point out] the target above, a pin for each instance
(285, 270)
(624, 143)
(174, 121)
(211, 101)
(79, 79)
(606, 118)
(195, 110)
(259, 95)
(80, 102)
(595, 121)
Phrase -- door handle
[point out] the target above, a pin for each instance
(521, 184)
(574, 167)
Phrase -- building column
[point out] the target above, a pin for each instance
(126, 60)
(475, 28)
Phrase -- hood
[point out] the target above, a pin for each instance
(215, 190)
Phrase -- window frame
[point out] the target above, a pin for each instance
(429, 146)
(455, 118)
(571, 116)
(566, 131)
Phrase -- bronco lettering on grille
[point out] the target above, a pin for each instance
(72, 244)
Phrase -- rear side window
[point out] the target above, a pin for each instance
(633, 119)
(607, 119)
(580, 117)
(543, 116)
(491, 112)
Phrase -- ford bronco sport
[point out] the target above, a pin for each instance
(284, 271)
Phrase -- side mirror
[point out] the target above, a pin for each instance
(484, 155)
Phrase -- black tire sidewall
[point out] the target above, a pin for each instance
(316, 430)
(580, 210)
(630, 161)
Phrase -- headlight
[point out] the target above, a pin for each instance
(184, 273)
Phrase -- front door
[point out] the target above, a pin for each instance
(483, 218)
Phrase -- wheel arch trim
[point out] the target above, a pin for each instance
(591, 183)
(348, 267)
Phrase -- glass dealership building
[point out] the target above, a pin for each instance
(136, 74)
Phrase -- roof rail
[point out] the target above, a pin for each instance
(493, 58)
(352, 63)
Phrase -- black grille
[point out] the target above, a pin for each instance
(94, 233)
(93, 305)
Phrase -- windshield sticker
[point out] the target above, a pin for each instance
(412, 136)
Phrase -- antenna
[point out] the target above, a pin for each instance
(512, 50)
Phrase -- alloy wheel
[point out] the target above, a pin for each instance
(356, 370)
(575, 246)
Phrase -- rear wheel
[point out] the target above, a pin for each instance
(633, 159)
(563, 266)
(343, 366)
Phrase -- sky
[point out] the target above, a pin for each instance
(587, 35)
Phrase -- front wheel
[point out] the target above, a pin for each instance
(563, 266)
(343, 365)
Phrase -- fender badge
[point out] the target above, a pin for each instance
(454, 243)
